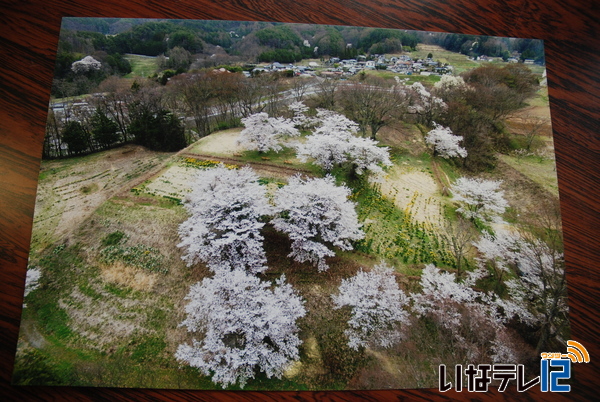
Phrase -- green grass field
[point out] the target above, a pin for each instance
(460, 62)
(141, 66)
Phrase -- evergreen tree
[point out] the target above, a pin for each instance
(104, 130)
(160, 131)
(76, 137)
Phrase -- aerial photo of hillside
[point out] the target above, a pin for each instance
(268, 206)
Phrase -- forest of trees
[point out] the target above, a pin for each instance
(227, 33)
(197, 44)
(475, 46)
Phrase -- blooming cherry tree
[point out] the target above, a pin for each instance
(449, 81)
(328, 144)
(452, 88)
(465, 313)
(442, 295)
(88, 63)
(425, 104)
(333, 143)
(32, 279)
(445, 143)
(224, 228)
(332, 123)
(244, 325)
(538, 294)
(327, 151)
(498, 251)
(315, 213)
(483, 199)
(364, 154)
(300, 119)
(377, 308)
(263, 133)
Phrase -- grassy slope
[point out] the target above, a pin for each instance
(540, 170)
(97, 328)
(94, 349)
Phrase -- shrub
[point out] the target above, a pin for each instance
(113, 238)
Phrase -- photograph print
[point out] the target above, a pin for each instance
(271, 206)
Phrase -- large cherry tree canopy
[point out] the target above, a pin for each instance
(482, 199)
(445, 143)
(316, 214)
(223, 229)
(377, 307)
(244, 325)
(263, 133)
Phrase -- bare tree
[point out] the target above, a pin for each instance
(116, 95)
(373, 105)
(234, 81)
(53, 139)
(197, 92)
(250, 91)
(273, 88)
(459, 235)
(300, 86)
(326, 90)
(57, 120)
(533, 126)
(149, 96)
(225, 103)
(497, 102)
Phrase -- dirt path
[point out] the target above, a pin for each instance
(272, 168)
(441, 178)
(222, 147)
(175, 181)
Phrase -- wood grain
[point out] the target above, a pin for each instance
(28, 40)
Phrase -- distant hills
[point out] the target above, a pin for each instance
(250, 39)
(197, 44)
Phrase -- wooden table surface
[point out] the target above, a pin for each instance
(28, 39)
